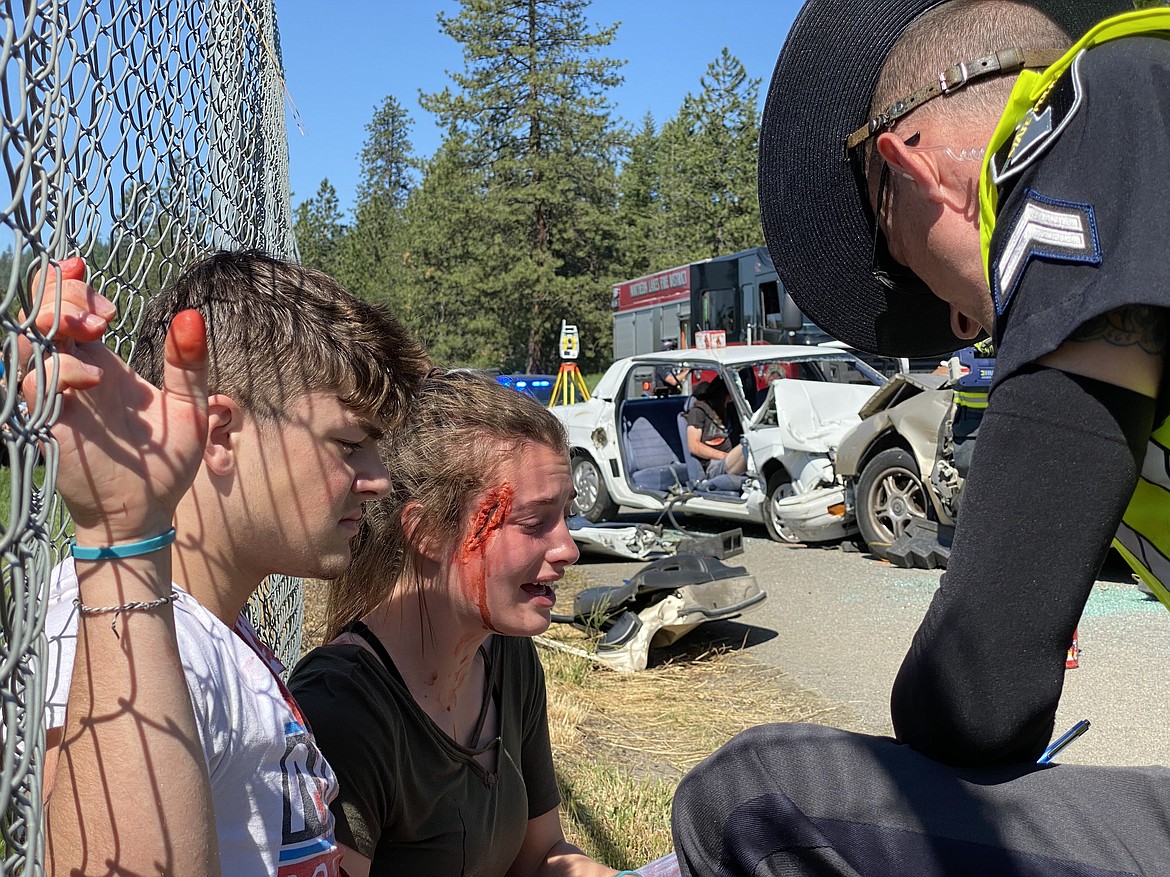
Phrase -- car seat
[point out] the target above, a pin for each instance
(651, 462)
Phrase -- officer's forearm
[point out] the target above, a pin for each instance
(1055, 465)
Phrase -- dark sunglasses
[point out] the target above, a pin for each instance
(885, 270)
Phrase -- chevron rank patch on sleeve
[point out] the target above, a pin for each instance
(1058, 231)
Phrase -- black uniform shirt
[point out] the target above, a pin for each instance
(1084, 214)
(1083, 229)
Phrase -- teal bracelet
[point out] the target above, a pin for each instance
(128, 549)
(627, 874)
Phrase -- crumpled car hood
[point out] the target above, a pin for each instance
(812, 416)
(898, 390)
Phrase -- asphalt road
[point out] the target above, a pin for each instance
(839, 623)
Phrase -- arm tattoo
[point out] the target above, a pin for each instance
(1129, 326)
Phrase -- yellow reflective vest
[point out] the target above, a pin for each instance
(1143, 538)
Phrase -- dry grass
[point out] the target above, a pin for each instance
(621, 742)
(674, 714)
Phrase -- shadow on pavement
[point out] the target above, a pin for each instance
(714, 635)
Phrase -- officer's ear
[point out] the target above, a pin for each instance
(917, 169)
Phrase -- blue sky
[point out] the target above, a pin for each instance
(342, 58)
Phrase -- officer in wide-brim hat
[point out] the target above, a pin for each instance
(818, 222)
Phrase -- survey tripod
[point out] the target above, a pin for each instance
(570, 384)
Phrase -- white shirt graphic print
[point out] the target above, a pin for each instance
(270, 784)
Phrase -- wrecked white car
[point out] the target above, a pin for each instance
(789, 404)
(888, 460)
(904, 465)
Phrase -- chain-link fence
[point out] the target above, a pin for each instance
(138, 134)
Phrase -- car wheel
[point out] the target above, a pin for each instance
(889, 496)
(779, 487)
(592, 501)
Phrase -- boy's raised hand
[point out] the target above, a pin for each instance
(128, 451)
(129, 793)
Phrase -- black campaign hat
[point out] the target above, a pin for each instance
(816, 221)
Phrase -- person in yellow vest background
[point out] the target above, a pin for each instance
(930, 173)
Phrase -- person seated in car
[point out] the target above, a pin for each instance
(708, 438)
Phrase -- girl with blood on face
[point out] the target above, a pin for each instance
(429, 698)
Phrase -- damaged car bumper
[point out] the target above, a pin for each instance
(817, 516)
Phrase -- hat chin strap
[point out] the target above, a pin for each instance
(952, 79)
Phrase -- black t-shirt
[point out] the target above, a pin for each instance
(1084, 215)
(411, 799)
(712, 430)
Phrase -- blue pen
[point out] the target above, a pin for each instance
(1062, 741)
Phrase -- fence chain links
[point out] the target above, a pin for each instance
(140, 135)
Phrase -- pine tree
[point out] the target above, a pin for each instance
(639, 205)
(373, 264)
(681, 208)
(531, 106)
(707, 159)
(445, 302)
(319, 229)
(387, 162)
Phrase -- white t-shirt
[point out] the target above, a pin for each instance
(270, 784)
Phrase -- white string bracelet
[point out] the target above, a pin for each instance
(133, 606)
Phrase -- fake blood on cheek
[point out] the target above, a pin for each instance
(485, 523)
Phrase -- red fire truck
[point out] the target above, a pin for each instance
(739, 294)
